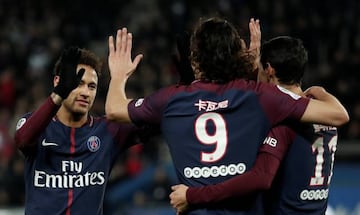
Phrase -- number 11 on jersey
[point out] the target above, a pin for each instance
(318, 149)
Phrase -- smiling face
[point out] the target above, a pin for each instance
(81, 99)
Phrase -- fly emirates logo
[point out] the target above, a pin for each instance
(71, 177)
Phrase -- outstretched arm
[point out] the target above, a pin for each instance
(258, 178)
(121, 67)
(324, 108)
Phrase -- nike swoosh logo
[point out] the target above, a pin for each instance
(44, 143)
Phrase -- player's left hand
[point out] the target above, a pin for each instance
(120, 63)
(315, 92)
(178, 198)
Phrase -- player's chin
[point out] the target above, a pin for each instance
(81, 110)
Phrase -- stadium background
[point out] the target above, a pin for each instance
(33, 33)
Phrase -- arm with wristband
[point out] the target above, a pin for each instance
(69, 79)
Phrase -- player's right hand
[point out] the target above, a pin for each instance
(69, 77)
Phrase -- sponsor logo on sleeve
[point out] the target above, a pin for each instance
(270, 141)
(139, 102)
(20, 123)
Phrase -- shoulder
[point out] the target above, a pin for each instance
(256, 87)
(158, 98)
(168, 91)
(283, 135)
(283, 132)
(21, 121)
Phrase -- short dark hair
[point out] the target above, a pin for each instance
(87, 57)
(288, 56)
(216, 48)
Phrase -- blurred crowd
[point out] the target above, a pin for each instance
(34, 32)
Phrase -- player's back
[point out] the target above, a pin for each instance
(214, 131)
(302, 183)
(221, 130)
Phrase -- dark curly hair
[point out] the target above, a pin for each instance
(87, 57)
(217, 52)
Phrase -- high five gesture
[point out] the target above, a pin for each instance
(121, 67)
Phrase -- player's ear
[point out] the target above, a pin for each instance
(56, 80)
(271, 73)
(267, 65)
(269, 70)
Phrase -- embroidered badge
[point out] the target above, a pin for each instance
(93, 143)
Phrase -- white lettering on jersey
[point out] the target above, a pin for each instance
(71, 166)
(214, 171)
(20, 123)
(210, 105)
(293, 95)
(318, 128)
(270, 141)
(67, 180)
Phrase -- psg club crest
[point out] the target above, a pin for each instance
(93, 143)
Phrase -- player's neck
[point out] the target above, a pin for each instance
(70, 119)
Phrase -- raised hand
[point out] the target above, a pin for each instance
(121, 67)
(120, 63)
(255, 37)
(255, 45)
(69, 77)
(178, 198)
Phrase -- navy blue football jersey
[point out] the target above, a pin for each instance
(214, 131)
(67, 170)
(301, 185)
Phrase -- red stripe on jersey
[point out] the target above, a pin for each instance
(72, 151)
(70, 200)
(72, 140)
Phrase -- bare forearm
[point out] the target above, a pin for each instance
(324, 109)
(256, 179)
(121, 66)
(117, 102)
